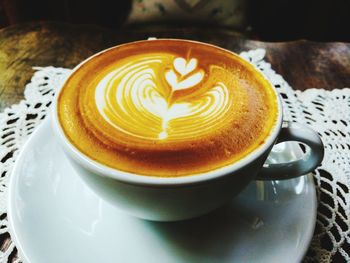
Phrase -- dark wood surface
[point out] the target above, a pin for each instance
(302, 63)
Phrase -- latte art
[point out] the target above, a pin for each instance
(182, 80)
(135, 99)
(166, 108)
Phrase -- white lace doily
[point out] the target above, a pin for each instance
(327, 112)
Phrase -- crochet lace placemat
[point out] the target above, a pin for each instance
(327, 112)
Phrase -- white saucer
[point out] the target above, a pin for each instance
(54, 217)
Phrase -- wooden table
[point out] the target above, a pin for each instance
(303, 64)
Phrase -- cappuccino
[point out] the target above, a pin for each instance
(166, 108)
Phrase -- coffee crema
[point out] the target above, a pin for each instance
(166, 108)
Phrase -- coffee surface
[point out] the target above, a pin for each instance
(166, 108)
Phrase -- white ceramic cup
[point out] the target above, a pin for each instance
(179, 198)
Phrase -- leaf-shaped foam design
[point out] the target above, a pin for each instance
(132, 99)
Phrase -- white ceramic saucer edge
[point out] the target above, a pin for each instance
(12, 230)
(14, 178)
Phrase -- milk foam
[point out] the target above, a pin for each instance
(166, 108)
(135, 99)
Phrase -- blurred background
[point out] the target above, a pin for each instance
(269, 20)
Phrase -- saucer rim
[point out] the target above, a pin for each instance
(46, 124)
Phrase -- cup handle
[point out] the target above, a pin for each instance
(309, 161)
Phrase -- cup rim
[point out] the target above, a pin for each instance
(140, 179)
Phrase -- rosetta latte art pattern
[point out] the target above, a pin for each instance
(141, 99)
